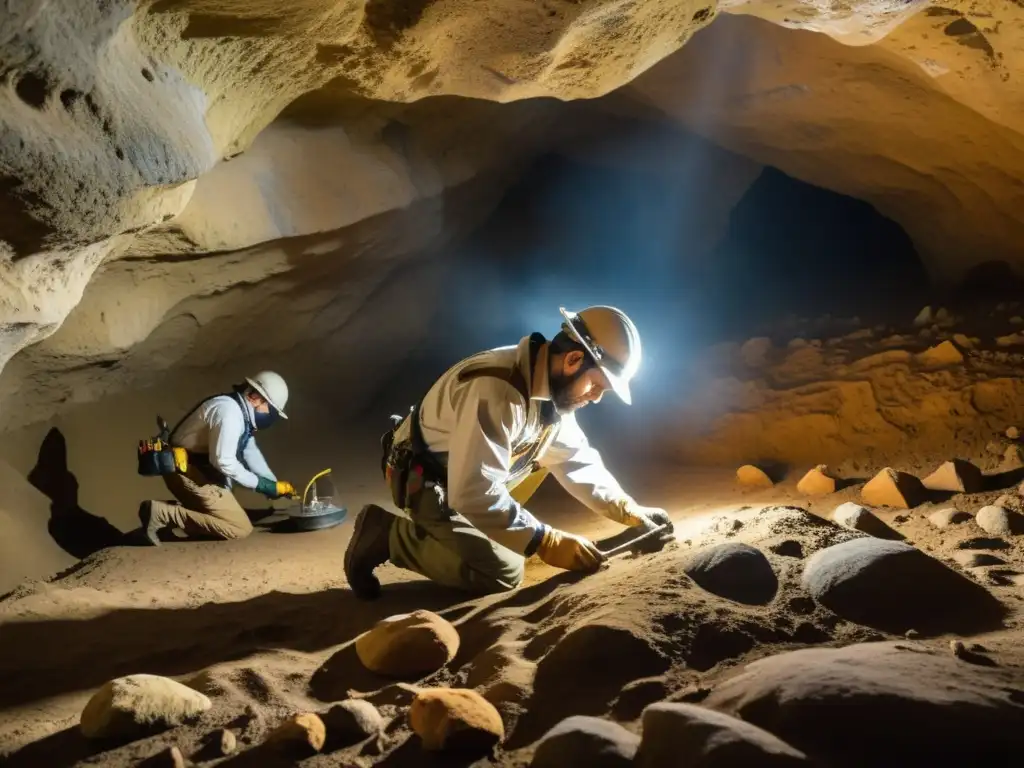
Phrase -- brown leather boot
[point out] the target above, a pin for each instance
(367, 549)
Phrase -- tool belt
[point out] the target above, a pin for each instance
(158, 457)
(410, 466)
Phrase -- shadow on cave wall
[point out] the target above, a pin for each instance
(76, 531)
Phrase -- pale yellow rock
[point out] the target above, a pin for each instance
(133, 704)
(455, 718)
(305, 732)
(408, 645)
(940, 355)
(890, 488)
(957, 476)
(753, 477)
(817, 482)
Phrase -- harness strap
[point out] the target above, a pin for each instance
(202, 460)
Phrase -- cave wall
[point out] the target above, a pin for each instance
(876, 122)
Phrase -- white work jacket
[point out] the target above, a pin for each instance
(215, 428)
(475, 426)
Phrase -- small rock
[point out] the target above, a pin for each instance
(963, 341)
(353, 720)
(940, 355)
(901, 519)
(586, 741)
(227, 742)
(686, 734)
(924, 317)
(947, 517)
(1010, 340)
(912, 634)
(753, 477)
(754, 352)
(858, 518)
(944, 318)
(788, 548)
(1013, 433)
(1013, 458)
(958, 648)
(455, 719)
(131, 705)
(957, 476)
(817, 482)
(408, 645)
(304, 732)
(998, 521)
(974, 559)
(1013, 502)
(890, 488)
(173, 757)
(735, 571)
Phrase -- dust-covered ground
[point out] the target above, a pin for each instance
(265, 627)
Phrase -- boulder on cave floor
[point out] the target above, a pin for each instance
(735, 571)
(890, 488)
(941, 355)
(944, 518)
(586, 741)
(750, 476)
(999, 521)
(408, 645)
(817, 482)
(857, 518)
(686, 734)
(956, 476)
(455, 720)
(885, 703)
(303, 733)
(137, 704)
(894, 587)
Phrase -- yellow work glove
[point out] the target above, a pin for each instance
(572, 553)
(629, 513)
(284, 488)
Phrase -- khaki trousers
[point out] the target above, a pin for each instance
(439, 543)
(205, 510)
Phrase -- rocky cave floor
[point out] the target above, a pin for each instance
(785, 624)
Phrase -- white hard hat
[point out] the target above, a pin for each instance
(612, 340)
(272, 388)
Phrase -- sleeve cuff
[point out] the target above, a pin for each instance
(538, 537)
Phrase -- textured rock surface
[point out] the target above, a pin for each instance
(920, 592)
(923, 705)
(944, 518)
(735, 571)
(455, 719)
(582, 740)
(892, 488)
(138, 703)
(956, 476)
(817, 482)
(352, 721)
(685, 734)
(999, 521)
(408, 645)
(304, 732)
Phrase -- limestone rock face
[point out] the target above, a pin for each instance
(137, 703)
(408, 645)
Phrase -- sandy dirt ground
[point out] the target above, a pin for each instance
(266, 627)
